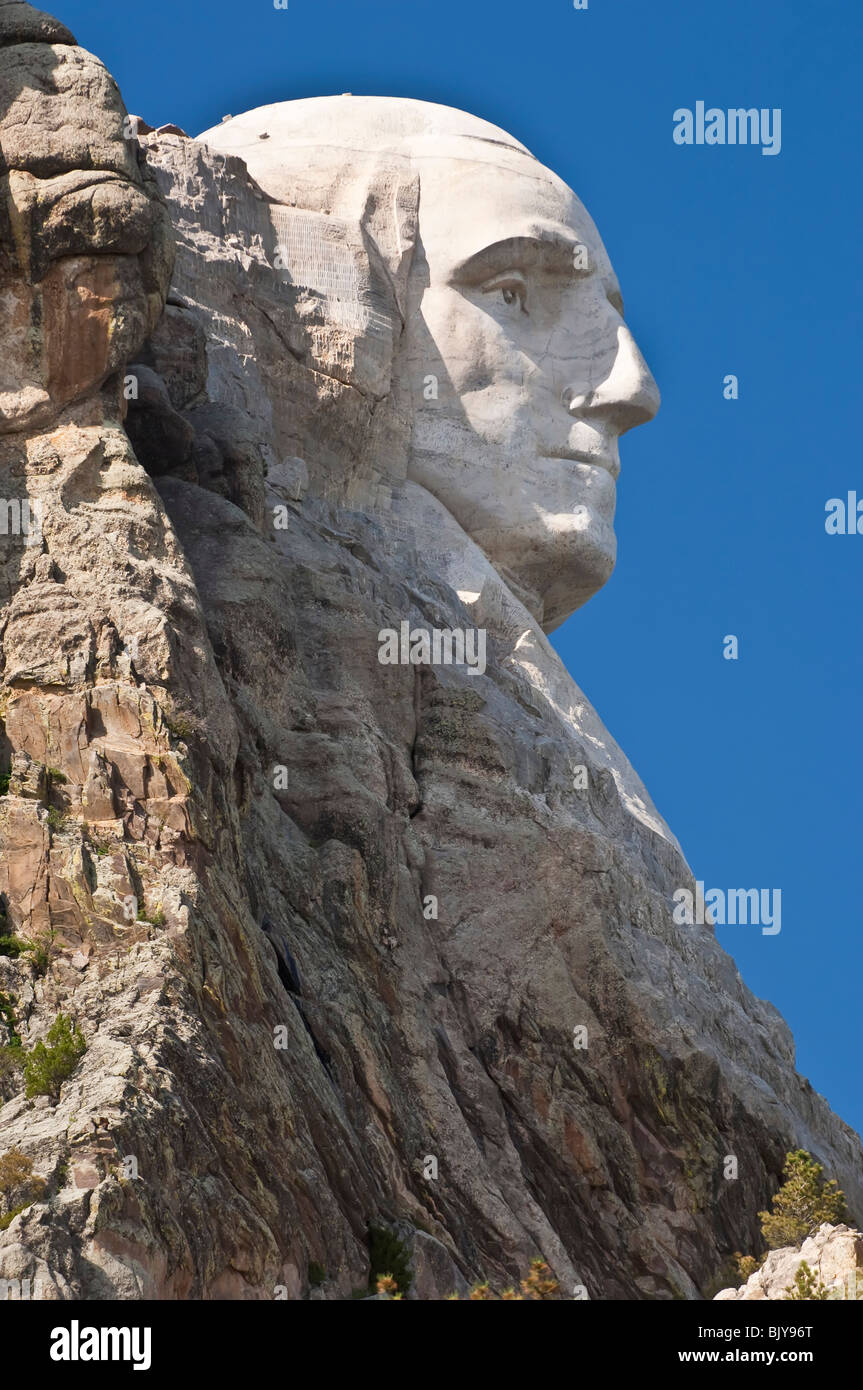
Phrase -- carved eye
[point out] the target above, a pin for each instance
(512, 287)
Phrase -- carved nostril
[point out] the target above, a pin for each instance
(572, 400)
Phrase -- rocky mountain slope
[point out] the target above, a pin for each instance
(328, 927)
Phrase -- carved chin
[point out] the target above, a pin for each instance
(554, 564)
(574, 584)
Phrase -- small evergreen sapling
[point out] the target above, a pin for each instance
(47, 1067)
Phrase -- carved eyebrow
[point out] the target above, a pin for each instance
(552, 251)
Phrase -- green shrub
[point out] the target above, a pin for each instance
(155, 916)
(12, 947)
(7, 1013)
(317, 1274)
(389, 1258)
(806, 1288)
(802, 1204)
(5, 778)
(16, 1169)
(47, 1067)
(41, 951)
(54, 775)
(538, 1285)
(96, 844)
(182, 726)
(746, 1266)
(11, 1060)
(6, 1221)
(57, 820)
(18, 1185)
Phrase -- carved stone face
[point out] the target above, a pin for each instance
(521, 371)
(84, 246)
(516, 328)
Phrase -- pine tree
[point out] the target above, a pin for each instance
(806, 1288)
(46, 1068)
(802, 1204)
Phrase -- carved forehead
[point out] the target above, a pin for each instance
(364, 125)
(469, 201)
(477, 182)
(328, 153)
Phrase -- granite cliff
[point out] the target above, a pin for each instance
(352, 946)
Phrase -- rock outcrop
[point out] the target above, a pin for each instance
(350, 946)
(834, 1256)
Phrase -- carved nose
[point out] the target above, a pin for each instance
(627, 397)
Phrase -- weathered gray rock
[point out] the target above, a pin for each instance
(22, 23)
(252, 813)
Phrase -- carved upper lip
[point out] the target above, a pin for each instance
(609, 465)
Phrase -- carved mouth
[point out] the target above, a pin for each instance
(608, 465)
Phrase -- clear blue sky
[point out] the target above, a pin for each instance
(730, 261)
